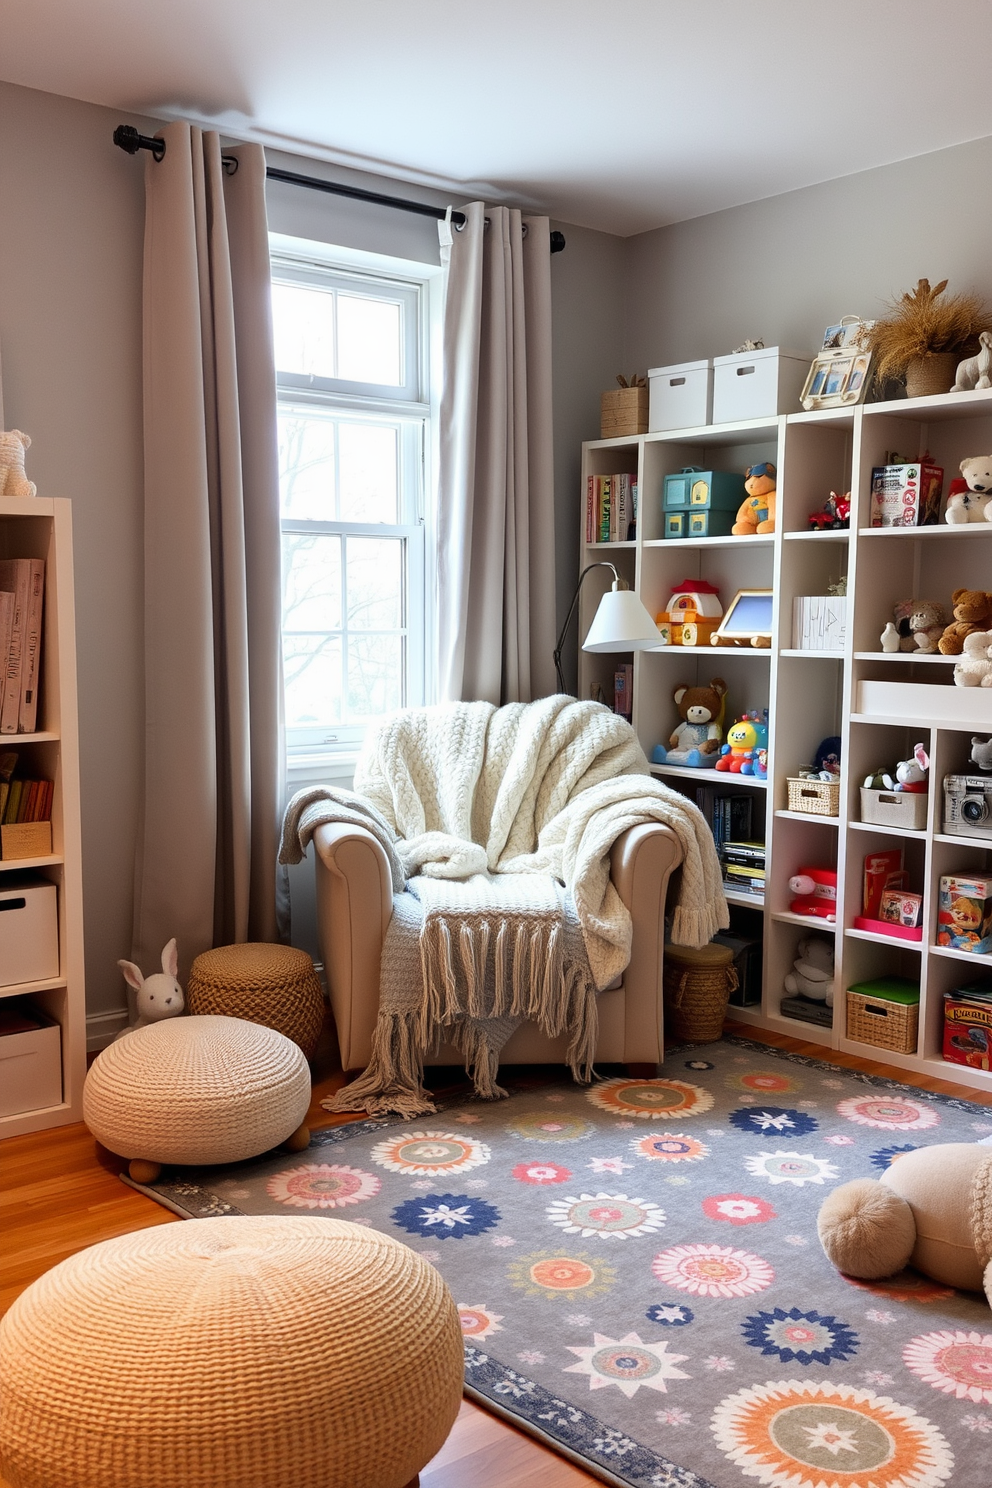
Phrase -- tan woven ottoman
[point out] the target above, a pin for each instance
(243, 1352)
(275, 985)
(197, 1090)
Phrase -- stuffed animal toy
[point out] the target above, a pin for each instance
(13, 481)
(975, 666)
(817, 893)
(975, 372)
(160, 995)
(812, 973)
(747, 738)
(757, 513)
(927, 625)
(911, 774)
(972, 611)
(968, 498)
(834, 513)
(931, 1209)
(981, 752)
(696, 740)
(826, 762)
(898, 634)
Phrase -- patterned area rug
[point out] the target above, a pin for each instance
(639, 1277)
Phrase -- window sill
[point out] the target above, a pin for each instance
(321, 769)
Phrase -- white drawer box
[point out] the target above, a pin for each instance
(680, 397)
(757, 384)
(927, 703)
(29, 931)
(30, 1069)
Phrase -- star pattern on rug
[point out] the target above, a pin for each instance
(628, 1363)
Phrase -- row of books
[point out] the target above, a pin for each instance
(611, 508)
(22, 590)
(25, 801)
(729, 818)
(744, 866)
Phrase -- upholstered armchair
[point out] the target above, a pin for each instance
(354, 906)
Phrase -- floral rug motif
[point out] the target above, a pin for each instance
(638, 1274)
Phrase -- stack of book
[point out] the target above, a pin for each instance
(611, 508)
(22, 588)
(744, 867)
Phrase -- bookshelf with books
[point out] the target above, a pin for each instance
(39, 822)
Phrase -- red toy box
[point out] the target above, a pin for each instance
(968, 1025)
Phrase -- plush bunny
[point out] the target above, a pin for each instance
(911, 774)
(160, 995)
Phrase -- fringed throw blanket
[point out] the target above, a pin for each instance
(488, 811)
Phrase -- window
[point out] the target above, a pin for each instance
(353, 376)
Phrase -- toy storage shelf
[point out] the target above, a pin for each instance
(813, 694)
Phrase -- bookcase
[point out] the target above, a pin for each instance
(881, 704)
(39, 527)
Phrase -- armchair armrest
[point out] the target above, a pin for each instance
(641, 864)
(354, 907)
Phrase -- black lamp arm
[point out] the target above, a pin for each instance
(618, 583)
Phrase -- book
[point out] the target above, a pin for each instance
(31, 648)
(623, 685)
(6, 629)
(590, 508)
(604, 508)
(15, 576)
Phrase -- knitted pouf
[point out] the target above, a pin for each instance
(269, 1352)
(275, 985)
(196, 1090)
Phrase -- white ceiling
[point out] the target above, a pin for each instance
(621, 116)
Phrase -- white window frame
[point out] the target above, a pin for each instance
(415, 403)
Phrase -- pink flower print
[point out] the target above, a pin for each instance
(719, 1362)
(839, 1141)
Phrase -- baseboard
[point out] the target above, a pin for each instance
(102, 1028)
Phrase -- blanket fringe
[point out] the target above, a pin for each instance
(392, 1083)
(481, 1060)
(697, 926)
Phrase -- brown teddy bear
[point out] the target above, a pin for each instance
(696, 740)
(757, 513)
(972, 611)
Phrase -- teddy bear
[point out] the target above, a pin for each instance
(696, 740)
(975, 667)
(757, 513)
(927, 625)
(931, 1209)
(13, 481)
(969, 496)
(812, 973)
(972, 611)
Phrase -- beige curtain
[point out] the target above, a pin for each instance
(206, 869)
(496, 559)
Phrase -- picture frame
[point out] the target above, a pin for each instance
(747, 620)
(837, 378)
(846, 334)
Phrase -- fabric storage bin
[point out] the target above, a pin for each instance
(906, 809)
(815, 797)
(29, 935)
(623, 412)
(681, 396)
(911, 701)
(30, 1059)
(885, 1012)
(757, 384)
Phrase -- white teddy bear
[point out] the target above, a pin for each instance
(13, 481)
(812, 973)
(971, 505)
(974, 666)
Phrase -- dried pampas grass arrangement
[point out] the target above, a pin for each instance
(925, 323)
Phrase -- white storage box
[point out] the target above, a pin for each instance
(819, 622)
(757, 384)
(905, 809)
(680, 397)
(30, 1060)
(926, 703)
(29, 933)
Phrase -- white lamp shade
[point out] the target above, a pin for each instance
(621, 624)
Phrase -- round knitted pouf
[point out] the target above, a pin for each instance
(268, 1352)
(197, 1090)
(275, 985)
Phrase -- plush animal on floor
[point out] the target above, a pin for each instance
(812, 973)
(696, 740)
(757, 513)
(931, 1209)
(972, 611)
(160, 995)
(969, 496)
(927, 624)
(975, 372)
(975, 666)
(13, 481)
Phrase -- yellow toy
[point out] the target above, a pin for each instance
(757, 513)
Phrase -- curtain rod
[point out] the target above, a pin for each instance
(126, 137)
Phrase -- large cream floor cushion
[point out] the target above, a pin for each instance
(242, 1352)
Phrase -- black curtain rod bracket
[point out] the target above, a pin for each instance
(126, 137)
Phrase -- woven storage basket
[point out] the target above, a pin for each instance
(815, 797)
(889, 1025)
(697, 987)
(274, 985)
(623, 411)
(273, 1351)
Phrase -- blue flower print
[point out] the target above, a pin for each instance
(773, 1121)
(445, 1216)
(806, 1337)
(669, 1314)
(886, 1156)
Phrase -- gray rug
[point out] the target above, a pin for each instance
(639, 1278)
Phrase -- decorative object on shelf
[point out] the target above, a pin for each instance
(826, 760)
(931, 1210)
(747, 620)
(834, 514)
(624, 410)
(744, 739)
(159, 995)
(839, 374)
(882, 870)
(974, 374)
(970, 493)
(972, 611)
(925, 335)
(981, 751)
(700, 503)
(621, 623)
(900, 907)
(757, 513)
(927, 623)
(911, 774)
(968, 1025)
(749, 345)
(974, 668)
(816, 893)
(13, 480)
(968, 803)
(691, 615)
(906, 494)
(964, 913)
(898, 634)
(819, 621)
(696, 740)
(812, 974)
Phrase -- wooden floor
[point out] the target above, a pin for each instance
(59, 1192)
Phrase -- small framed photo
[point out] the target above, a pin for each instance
(846, 334)
(836, 379)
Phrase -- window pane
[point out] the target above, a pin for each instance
(303, 330)
(375, 583)
(306, 466)
(311, 582)
(369, 340)
(375, 671)
(314, 693)
(369, 472)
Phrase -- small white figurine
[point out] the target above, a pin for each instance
(160, 995)
(975, 372)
